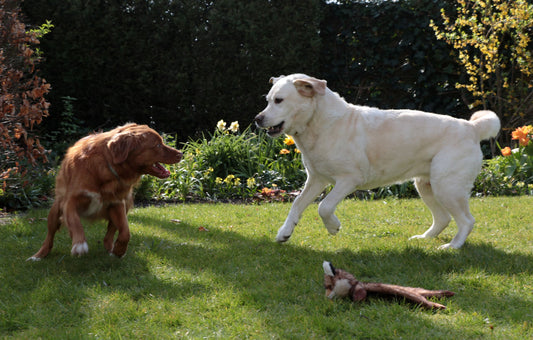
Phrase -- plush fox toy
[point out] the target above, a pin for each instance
(340, 283)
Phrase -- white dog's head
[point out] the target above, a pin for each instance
(291, 102)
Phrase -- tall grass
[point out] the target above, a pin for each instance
(214, 271)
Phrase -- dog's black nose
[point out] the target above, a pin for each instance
(259, 119)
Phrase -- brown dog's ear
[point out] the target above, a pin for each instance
(120, 146)
(310, 86)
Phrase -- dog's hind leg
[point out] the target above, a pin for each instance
(54, 224)
(451, 182)
(441, 217)
(313, 187)
(458, 206)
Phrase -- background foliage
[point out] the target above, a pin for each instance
(181, 65)
(491, 40)
(177, 65)
(385, 54)
(22, 103)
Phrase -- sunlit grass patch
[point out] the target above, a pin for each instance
(215, 271)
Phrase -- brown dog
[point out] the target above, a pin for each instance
(96, 181)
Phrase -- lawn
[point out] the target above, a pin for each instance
(215, 271)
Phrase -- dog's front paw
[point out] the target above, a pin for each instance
(79, 249)
(33, 258)
(283, 235)
(417, 237)
(285, 232)
(333, 227)
(119, 249)
(333, 230)
(280, 238)
(448, 246)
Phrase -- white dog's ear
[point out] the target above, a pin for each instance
(273, 80)
(310, 86)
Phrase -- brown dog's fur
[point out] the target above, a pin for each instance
(96, 181)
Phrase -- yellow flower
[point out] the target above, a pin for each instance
(221, 125)
(229, 179)
(250, 182)
(237, 182)
(289, 140)
(297, 150)
(234, 127)
(506, 151)
(284, 152)
(218, 180)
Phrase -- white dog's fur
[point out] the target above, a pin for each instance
(357, 147)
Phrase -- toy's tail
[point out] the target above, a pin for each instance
(486, 123)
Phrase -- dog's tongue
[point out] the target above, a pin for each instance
(161, 170)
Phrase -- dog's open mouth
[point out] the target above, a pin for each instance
(159, 171)
(275, 130)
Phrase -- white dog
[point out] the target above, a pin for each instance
(357, 147)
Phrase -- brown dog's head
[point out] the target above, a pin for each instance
(142, 149)
(340, 283)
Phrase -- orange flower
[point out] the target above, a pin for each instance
(521, 134)
(506, 151)
(289, 140)
(284, 152)
(297, 150)
(266, 191)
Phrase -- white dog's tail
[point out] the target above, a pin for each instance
(486, 123)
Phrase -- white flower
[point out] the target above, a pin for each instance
(234, 127)
(221, 125)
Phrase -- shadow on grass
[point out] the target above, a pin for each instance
(249, 265)
(297, 266)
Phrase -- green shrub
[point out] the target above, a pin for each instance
(230, 164)
(30, 188)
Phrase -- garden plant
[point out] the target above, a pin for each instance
(512, 172)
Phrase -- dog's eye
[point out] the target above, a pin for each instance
(278, 100)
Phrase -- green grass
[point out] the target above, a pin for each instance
(234, 281)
